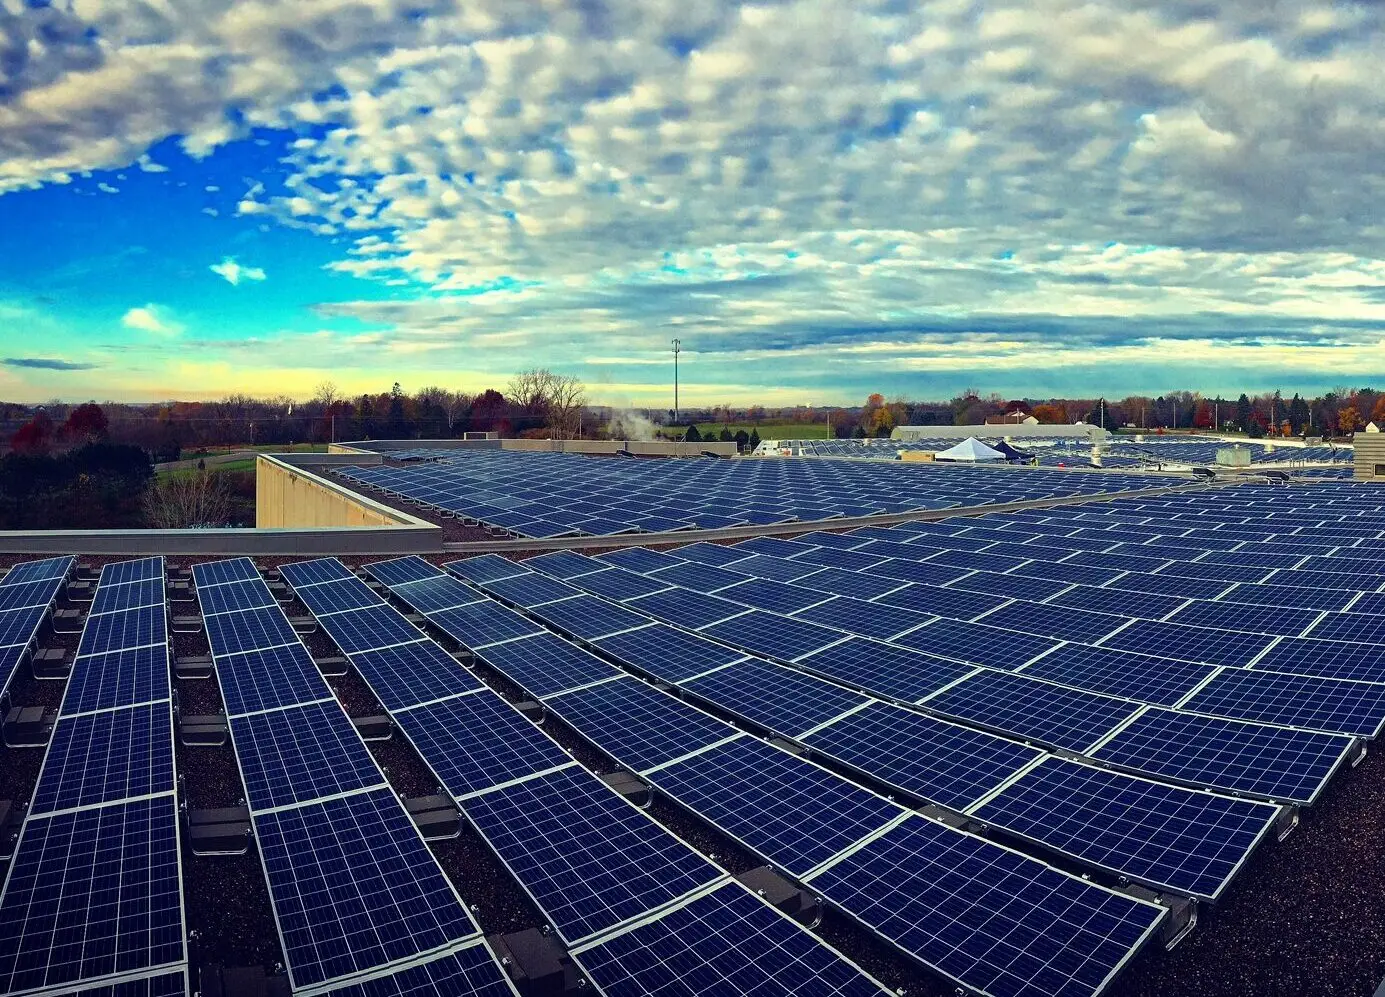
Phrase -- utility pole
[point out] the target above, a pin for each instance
(677, 348)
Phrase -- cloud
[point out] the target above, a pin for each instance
(46, 363)
(148, 319)
(234, 273)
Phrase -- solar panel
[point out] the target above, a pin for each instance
(469, 972)
(1272, 762)
(868, 619)
(1115, 672)
(121, 572)
(231, 597)
(251, 630)
(687, 608)
(721, 943)
(587, 617)
(1010, 586)
(209, 573)
(1184, 840)
(637, 725)
(1173, 585)
(1220, 572)
(773, 636)
(924, 572)
(930, 758)
(482, 623)
(832, 558)
(1034, 710)
(701, 552)
(784, 808)
(1055, 621)
(48, 569)
(402, 570)
(439, 592)
(698, 577)
(1327, 658)
(529, 589)
(778, 568)
(266, 680)
(92, 892)
(478, 741)
(1188, 643)
(1331, 705)
(117, 631)
(340, 596)
(485, 568)
(992, 919)
(1067, 572)
(122, 678)
(324, 569)
(413, 673)
(544, 664)
(107, 756)
(884, 669)
(776, 597)
(299, 754)
(1357, 627)
(27, 595)
(667, 653)
(775, 697)
(1267, 594)
(588, 858)
(1251, 619)
(1142, 605)
(952, 603)
(977, 643)
(354, 886)
(566, 564)
(135, 595)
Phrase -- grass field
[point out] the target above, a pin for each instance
(258, 448)
(230, 465)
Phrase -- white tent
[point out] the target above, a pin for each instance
(969, 450)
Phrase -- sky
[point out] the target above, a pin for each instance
(818, 198)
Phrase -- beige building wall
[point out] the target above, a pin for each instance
(287, 497)
(1370, 456)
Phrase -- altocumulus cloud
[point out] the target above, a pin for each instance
(46, 363)
(844, 184)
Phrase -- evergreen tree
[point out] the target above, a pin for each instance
(693, 436)
(1244, 410)
(754, 441)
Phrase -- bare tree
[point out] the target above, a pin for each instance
(187, 501)
(326, 395)
(558, 399)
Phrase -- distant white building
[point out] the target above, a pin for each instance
(1027, 428)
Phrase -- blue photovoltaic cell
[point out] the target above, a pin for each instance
(932, 759)
(24, 595)
(544, 664)
(953, 603)
(119, 906)
(1140, 677)
(777, 597)
(884, 669)
(857, 584)
(107, 756)
(354, 886)
(402, 570)
(37, 571)
(788, 810)
(116, 598)
(619, 584)
(1067, 572)
(478, 741)
(850, 560)
(1013, 586)
(483, 623)
(439, 592)
(412, 673)
(1332, 705)
(698, 577)
(1332, 600)
(239, 569)
(1034, 710)
(1174, 640)
(339, 596)
(687, 608)
(924, 572)
(529, 589)
(117, 631)
(235, 596)
(264, 680)
(1055, 621)
(868, 619)
(120, 572)
(996, 921)
(773, 546)
(1219, 572)
(1274, 762)
(774, 696)
(717, 555)
(589, 859)
(725, 943)
(667, 653)
(1172, 585)
(1361, 627)
(470, 972)
(1143, 605)
(1185, 840)
(1334, 659)
(252, 630)
(566, 564)
(323, 569)
(781, 569)
(19, 625)
(299, 754)
(637, 725)
(1252, 619)
(369, 629)
(772, 635)
(485, 568)
(587, 617)
(102, 681)
(977, 643)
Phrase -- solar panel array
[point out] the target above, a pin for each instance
(27, 592)
(355, 890)
(94, 893)
(559, 494)
(809, 822)
(596, 866)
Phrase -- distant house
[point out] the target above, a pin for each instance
(1017, 417)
